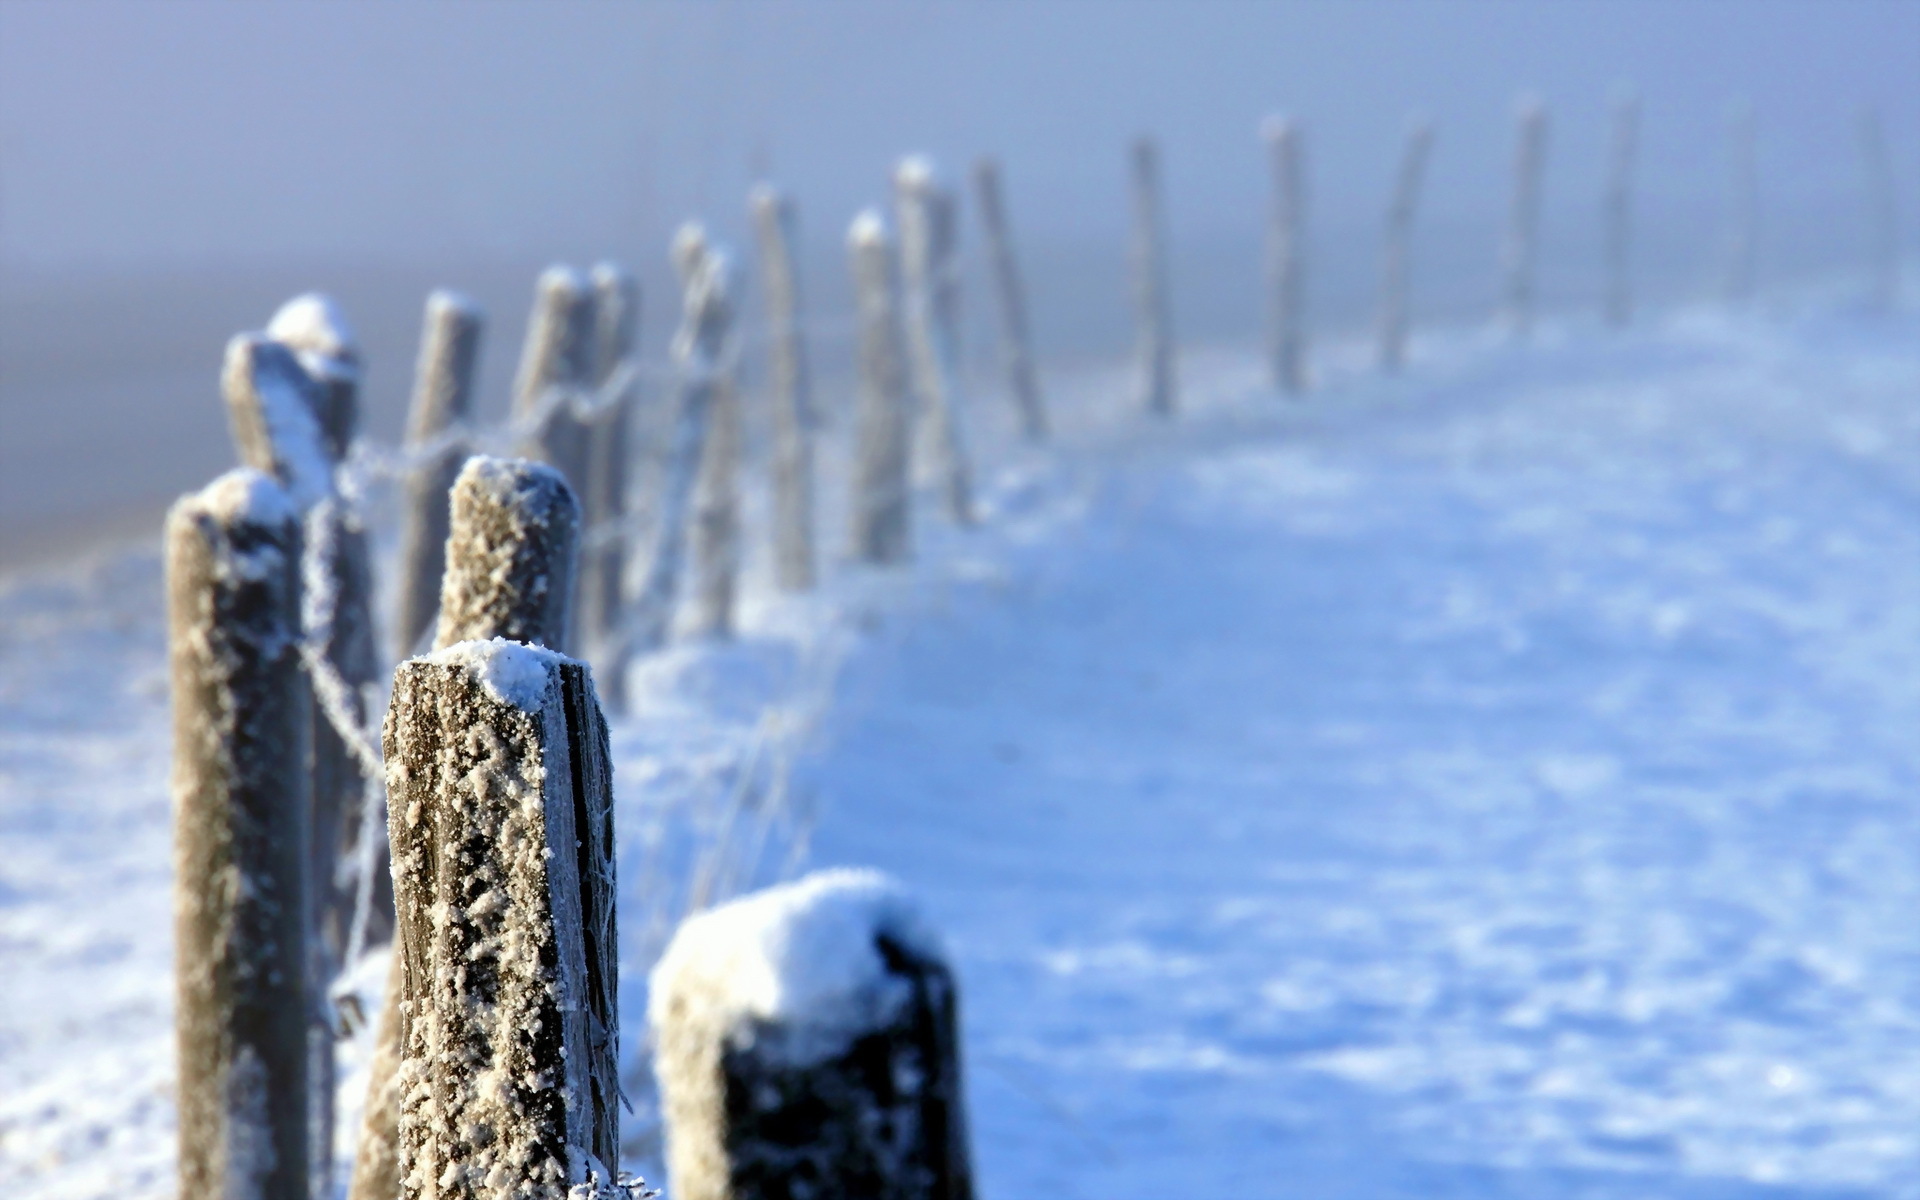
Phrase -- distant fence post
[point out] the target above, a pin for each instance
(503, 862)
(442, 403)
(616, 309)
(1622, 148)
(1394, 304)
(313, 328)
(1520, 251)
(856, 1092)
(1286, 256)
(1883, 231)
(1153, 324)
(931, 288)
(1016, 347)
(881, 506)
(1743, 204)
(240, 793)
(712, 518)
(555, 366)
(793, 416)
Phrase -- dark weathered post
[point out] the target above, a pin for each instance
(442, 403)
(881, 507)
(555, 369)
(1016, 347)
(1617, 207)
(313, 327)
(846, 1084)
(1883, 231)
(240, 730)
(1286, 256)
(1743, 204)
(1154, 325)
(616, 309)
(502, 828)
(1399, 247)
(1520, 251)
(793, 417)
(931, 286)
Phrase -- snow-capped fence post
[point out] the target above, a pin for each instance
(240, 789)
(1617, 207)
(793, 418)
(1520, 249)
(616, 309)
(442, 402)
(1286, 266)
(503, 868)
(313, 328)
(1016, 345)
(881, 509)
(807, 1044)
(556, 365)
(1743, 204)
(1399, 246)
(1883, 233)
(714, 507)
(1153, 322)
(930, 286)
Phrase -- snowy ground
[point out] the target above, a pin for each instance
(1501, 782)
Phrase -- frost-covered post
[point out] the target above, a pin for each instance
(1399, 245)
(1286, 256)
(808, 1044)
(442, 403)
(931, 289)
(1520, 250)
(240, 730)
(1617, 207)
(616, 308)
(313, 327)
(714, 515)
(1743, 204)
(881, 508)
(555, 368)
(793, 419)
(1883, 234)
(1016, 346)
(1154, 324)
(502, 828)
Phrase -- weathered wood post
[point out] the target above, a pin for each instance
(442, 403)
(1520, 251)
(502, 828)
(513, 544)
(1617, 207)
(1153, 322)
(808, 1044)
(556, 366)
(313, 327)
(1399, 246)
(1883, 230)
(931, 289)
(1286, 256)
(881, 508)
(1016, 345)
(793, 417)
(1743, 204)
(616, 309)
(714, 514)
(240, 789)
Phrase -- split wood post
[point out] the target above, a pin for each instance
(793, 417)
(1520, 251)
(1883, 233)
(555, 367)
(616, 308)
(1016, 347)
(1286, 256)
(442, 403)
(512, 544)
(1743, 204)
(240, 733)
(1154, 325)
(931, 288)
(1617, 207)
(313, 327)
(854, 1091)
(881, 508)
(1394, 304)
(503, 866)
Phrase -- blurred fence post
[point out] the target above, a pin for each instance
(1622, 148)
(1286, 256)
(793, 418)
(442, 404)
(1520, 251)
(312, 326)
(1394, 304)
(1016, 347)
(881, 505)
(616, 309)
(555, 367)
(1153, 323)
(930, 287)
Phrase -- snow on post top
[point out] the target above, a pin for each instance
(915, 173)
(244, 495)
(269, 399)
(446, 301)
(868, 229)
(688, 251)
(312, 326)
(803, 956)
(511, 672)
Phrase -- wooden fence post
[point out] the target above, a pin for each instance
(881, 508)
(1154, 324)
(502, 827)
(1399, 247)
(555, 367)
(1617, 207)
(1743, 204)
(442, 403)
(931, 288)
(617, 350)
(240, 793)
(847, 1084)
(1883, 231)
(793, 417)
(1016, 348)
(1286, 256)
(312, 327)
(1520, 251)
